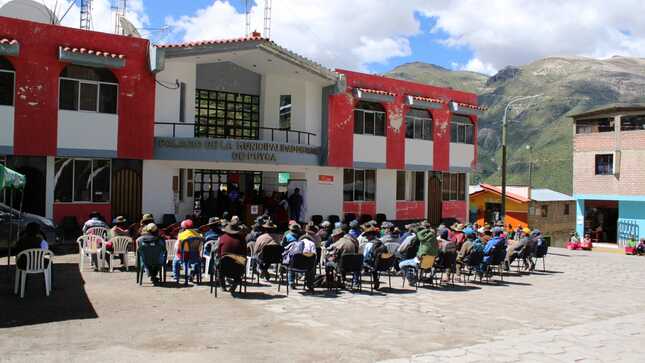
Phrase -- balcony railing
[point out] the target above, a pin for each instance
(187, 130)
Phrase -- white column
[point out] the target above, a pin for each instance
(386, 192)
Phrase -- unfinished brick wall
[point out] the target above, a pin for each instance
(556, 224)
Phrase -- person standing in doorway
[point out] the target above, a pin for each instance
(295, 205)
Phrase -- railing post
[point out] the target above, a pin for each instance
(287, 132)
(173, 130)
(308, 139)
(298, 138)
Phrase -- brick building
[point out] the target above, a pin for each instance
(609, 172)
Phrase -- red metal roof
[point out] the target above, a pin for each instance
(498, 190)
(214, 42)
(474, 107)
(97, 53)
(377, 92)
(8, 41)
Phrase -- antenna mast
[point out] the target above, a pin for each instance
(267, 19)
(118, 7)
(247, 15)
(86, 14)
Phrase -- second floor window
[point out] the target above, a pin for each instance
(285, 112)
(88, 89)
(359, 185)
(7, 82)
(220, 114)
(461, 130)
(632, 123)
(454, 186)
(604, 164)
(418, 124)
(369, 119)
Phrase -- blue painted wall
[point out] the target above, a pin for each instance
(580, 217)
(631, 219)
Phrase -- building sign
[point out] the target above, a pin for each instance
(326, 179)
(283, 178)
(232, 150)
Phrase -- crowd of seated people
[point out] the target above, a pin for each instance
(456, 248)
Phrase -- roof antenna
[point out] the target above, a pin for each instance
(247, 15)
(119, 8)
(267, 19)
(86, 14)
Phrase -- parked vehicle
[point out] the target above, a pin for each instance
(11, 221)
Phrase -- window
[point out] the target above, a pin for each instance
(544, 212)
(7, 82)
(208, 182)
(82, 180)
(604, 164)
(632, 123)
(418, 124)
(88, 89)
(369, 119)
(220, 114)
(454, 186)
(461, 130)
(566, 210)
(285, 112)
(605, 124)
(359, 185)
(410, 185)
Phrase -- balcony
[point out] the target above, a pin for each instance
(187, 130)
(265, 145)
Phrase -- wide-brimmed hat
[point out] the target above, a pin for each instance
(119, 220)
(325, 224)
(337, 232)
(268, 224)
(526, 230)
(214, 221)
(387, 225)
(353, 224)
(457, 227)
(148, 217)
(294, 226)
(370, 229)
(311, 228)
(233, 227)
(149, 228)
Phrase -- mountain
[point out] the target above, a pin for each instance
(568, 84)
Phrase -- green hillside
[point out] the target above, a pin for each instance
(568, 84)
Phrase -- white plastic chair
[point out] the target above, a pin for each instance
(35, 264)
(99, 231)
(89, 245)
(119, 247)
(171, 248)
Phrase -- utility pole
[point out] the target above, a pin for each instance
(502, 214)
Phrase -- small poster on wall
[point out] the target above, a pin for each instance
(326, 179)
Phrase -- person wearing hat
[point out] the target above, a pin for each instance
(304, 245)
(458, 236)
(152, 250)
(373, 248)
(343, 243)
(145, 220)
(355, 229)
(264, 240)
(119, 228)
(427, 247)
(324, 233)
(498, 241)
(466, 247)
(292, 234)
(389, 233)
(517, 248)
(232, 242)
(183, 247)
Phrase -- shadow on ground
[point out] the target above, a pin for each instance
(67, 301)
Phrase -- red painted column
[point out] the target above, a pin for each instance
(441, 139)
(473, 119)
(395, 133)
(341, 130)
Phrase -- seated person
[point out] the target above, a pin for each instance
(446, 259)
(389, 233)
(94, 221)
(517, 248)
(120, 228)
(231, 242)
(186, 234)
(574, 241)
(264, 240)
(427, 247)
(373, 248)
(343, 244)
(305, 245)
(292, 234)
(32, 238)
(152, 250)
(586, 243)
(640, 247)
(464, 251)
(497, 242)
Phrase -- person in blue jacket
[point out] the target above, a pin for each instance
(498, 241)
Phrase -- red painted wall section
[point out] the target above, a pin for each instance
(81, 211)
(441, 139)
(457, 209)
(473, 119)
(37, 73)
(341, 119)
(395, 131)
(359, 208)
(406, 210)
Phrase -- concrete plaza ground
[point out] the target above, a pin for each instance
(586, 307)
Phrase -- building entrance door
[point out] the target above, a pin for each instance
(434, 198)
(126, 194)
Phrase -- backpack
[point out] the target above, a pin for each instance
(542, 248)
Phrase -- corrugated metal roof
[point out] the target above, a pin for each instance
(608, 108)
(548, 195)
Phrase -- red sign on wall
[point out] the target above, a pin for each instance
(326, 179)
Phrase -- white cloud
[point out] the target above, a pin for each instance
(476, 65)
(336, 33)
(505, 32)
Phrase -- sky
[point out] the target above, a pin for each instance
(377, 35)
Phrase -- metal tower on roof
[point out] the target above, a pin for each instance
(118, 8)
(267, 19)
(86, 14)
(247, 18)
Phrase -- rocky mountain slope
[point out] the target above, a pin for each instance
(568, 84)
